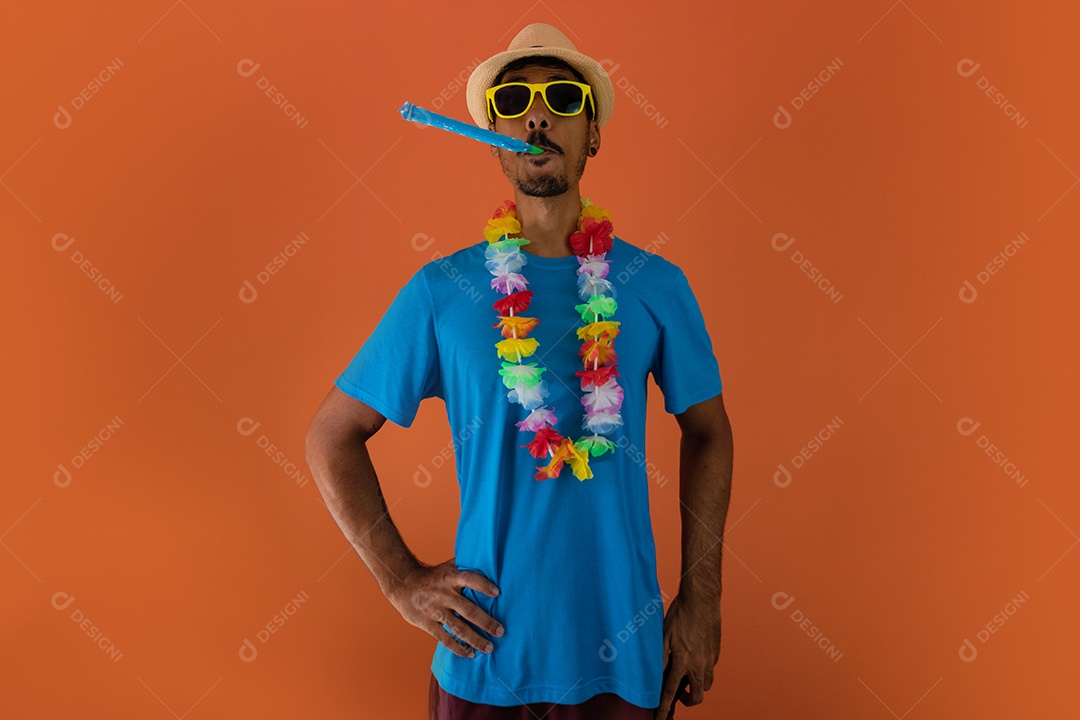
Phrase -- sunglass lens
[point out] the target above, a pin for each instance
(565, 98)
(511, 100)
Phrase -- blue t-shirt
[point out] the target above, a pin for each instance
(574, 560)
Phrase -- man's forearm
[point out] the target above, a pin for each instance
(704, 489)
(346, 478)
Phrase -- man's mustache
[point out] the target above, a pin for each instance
(540, 140)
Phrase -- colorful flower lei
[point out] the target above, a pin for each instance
(602, 395)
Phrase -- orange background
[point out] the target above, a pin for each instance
(179, 180)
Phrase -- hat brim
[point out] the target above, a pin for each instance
(485, 73)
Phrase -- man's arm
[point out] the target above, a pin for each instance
(692, 622)
(705, 462)
(336, 450)
(427, 596)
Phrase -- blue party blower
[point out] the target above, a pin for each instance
(413, 113)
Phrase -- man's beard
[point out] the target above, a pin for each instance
(547, 186)
(550, 185)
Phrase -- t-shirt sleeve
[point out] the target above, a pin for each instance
(398, 365)
(684, 367)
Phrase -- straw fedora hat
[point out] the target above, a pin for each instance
(539, 39)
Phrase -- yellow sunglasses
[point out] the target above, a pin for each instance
(563, 97)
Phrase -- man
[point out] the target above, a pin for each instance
(551, 605)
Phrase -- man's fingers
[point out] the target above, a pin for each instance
(474, 614)
(683, 693)
(463, 630)
(476, 581)
(453, 645)
(697, 692)
(469, 609)
(667, 696)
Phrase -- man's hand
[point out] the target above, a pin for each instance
(427, 597)
(692, 636)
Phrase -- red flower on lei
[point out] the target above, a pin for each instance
(599, 376)
(597, 231)
(547, 439)
(518, 301)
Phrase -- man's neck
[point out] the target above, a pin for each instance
(548, 222)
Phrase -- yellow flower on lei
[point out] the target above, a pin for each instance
(595, 329)
(579, 461)
(593, 211)
(510, 347)
(497, 227)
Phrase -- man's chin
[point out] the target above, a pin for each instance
(543, 189)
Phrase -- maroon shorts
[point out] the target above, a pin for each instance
(603, 706)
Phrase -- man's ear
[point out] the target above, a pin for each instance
(594, 137)
(494, 149)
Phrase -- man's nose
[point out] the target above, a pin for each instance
(539, 114)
